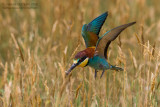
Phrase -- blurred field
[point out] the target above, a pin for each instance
(49, 37)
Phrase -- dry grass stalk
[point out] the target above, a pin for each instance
(46, 87)
(1, 65)
(133, 59)
(71, 105)
(5, 74)
(54, 26)
(153, 80)
(153, 50)
(17, 46)
(137, 38)
(7, 93)
(62, 71)
(75, 50)
(77, 90)
(84, 99)
(64, 85)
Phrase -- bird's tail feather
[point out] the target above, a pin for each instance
(116, 68)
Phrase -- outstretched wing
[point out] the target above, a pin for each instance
(104, 42)
(91, 31)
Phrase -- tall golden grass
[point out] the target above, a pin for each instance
(37, 47)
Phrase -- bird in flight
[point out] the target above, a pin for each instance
(95, 54)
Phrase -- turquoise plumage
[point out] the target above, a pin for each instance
(95, 55)
(99, 63)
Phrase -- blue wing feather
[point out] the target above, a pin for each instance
(91, 31)
(95, 25)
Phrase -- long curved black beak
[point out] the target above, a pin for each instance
(71, 68)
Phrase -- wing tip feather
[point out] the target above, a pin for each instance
(132, 23)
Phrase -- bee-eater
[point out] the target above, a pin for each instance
(95, 54)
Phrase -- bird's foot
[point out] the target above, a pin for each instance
(95, 75)
(102, 73)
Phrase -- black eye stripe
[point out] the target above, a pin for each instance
(82, 59)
